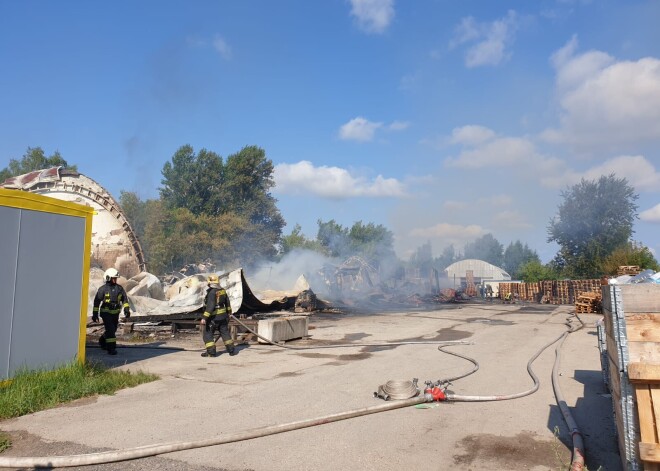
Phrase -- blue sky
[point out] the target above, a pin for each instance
(441, 120)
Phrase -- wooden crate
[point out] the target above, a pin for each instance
(632, 327)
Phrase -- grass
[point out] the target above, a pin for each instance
(32, 391)
(562, 465)
(5, 441)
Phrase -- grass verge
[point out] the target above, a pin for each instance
(32, 391)
(5, 441)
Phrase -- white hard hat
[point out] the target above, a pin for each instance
(110, 273)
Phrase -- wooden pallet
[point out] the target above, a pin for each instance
(633, 355)
(589, 303)
(645, 378)
(628, 270)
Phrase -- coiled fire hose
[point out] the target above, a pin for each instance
(153, 450)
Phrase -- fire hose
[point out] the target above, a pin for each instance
(433, 392)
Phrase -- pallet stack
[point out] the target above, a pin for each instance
(628, 270)
(632, 349)
(470, 288)
(550, 291)
(589, 303)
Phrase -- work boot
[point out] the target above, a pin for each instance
(210, 352)
(102, 343)
(232, 350)
(112, 351)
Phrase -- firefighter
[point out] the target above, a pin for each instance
(109, 301)
(489, 293)
(216, 315)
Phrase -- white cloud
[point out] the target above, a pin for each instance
(651, 215)
(398, 126)
(604, 102)
(451, 232)
(640, 173)
(373, 16)
(471, 135)
(510, 219)
(221, 46)
(450, 205)
(492, 39)
(503, 151)
(332, 182)
(358, 129)
(495, 200)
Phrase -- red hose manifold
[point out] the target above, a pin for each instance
(436, 393)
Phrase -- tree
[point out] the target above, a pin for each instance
(516, 255)
(446, 258)
(175, 237)
(193, 181)
(247, 182)
(334, 238)
(534, 271)
(33, 159)
(632, 253)
(486, 248)
(297, 240)
(240, 189)
(423, 258)
(372, 241)
(595, 218)
(134, 210)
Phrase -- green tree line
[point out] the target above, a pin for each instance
(221, 209)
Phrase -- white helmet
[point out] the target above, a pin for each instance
(110, 273)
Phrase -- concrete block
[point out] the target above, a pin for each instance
(283, 328)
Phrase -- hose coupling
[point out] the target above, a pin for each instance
(434, 392)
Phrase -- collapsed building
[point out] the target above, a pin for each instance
(353, 283)
(114, 243)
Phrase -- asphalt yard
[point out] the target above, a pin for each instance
(343, 362)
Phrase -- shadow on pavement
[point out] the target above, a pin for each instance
(127, 354)
(594, 418)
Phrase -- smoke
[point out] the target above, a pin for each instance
(282, 276)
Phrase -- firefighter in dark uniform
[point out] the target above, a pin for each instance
(216, 316)
(109, 301)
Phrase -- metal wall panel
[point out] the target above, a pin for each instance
(48, 282)
(10, 218)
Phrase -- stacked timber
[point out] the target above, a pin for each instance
(589, 303)
(632, 337)
(628, 270)
(470, 287)
(550, 291)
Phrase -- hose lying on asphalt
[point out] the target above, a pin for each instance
(152, 450)
(577, 461)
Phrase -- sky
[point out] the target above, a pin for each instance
(441, 120)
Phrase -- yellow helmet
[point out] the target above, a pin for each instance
(213, 279)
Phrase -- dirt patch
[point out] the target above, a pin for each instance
(450, 333)
(287, 374)
(520, 452)
(355, 337)
(26, 444)
(346, 357)
(485, 320)
(81, 402)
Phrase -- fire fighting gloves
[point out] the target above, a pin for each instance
(127, 312)
(95, 318)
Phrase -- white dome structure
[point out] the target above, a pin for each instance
(481, 272)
